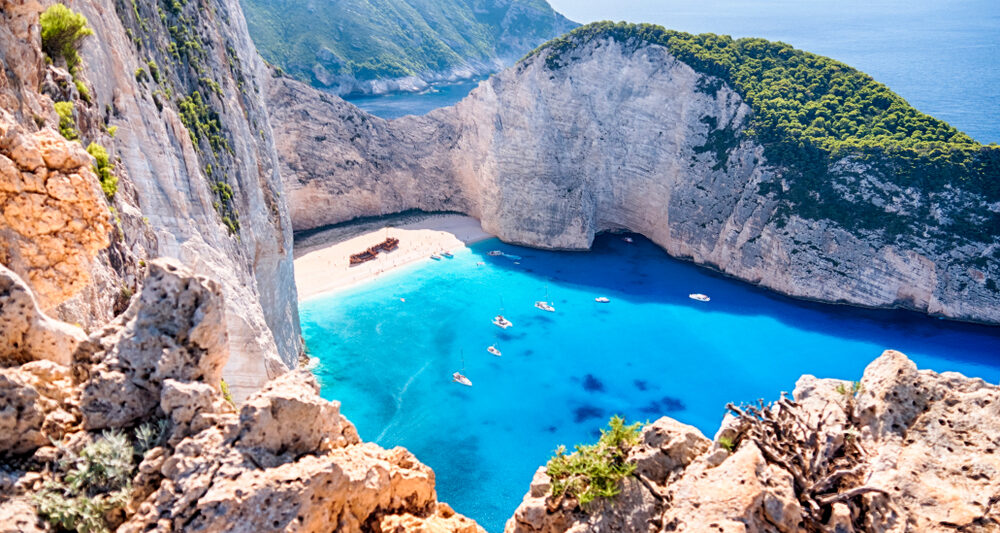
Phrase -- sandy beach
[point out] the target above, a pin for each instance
(322, 260)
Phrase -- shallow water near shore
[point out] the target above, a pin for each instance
(650, 352)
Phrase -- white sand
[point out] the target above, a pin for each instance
(325, 267)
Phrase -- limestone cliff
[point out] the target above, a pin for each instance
(172, 94)
(627, 136)
(905, 450)
(174, 455)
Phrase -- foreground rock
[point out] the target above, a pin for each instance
(286, 460)
(627, 136)
(908, 450)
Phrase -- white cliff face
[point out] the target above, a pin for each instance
(171, 180)
(612, 140)
(175, 195)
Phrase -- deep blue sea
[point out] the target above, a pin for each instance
(943, 56)
(651, 351)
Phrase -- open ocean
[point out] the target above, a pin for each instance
(650, 352)
(943, 56)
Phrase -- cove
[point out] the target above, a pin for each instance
(650, 352)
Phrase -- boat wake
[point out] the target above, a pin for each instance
(399, 402)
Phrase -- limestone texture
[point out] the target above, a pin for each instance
(182, 118)
(286, 460)
(622, 138)
(929, 442)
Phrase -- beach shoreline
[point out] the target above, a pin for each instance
(322, 259)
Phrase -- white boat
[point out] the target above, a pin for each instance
(545, 306)
(457, 377)
(699, 297)
(494, 350)
(480, 263)
(447, 254)
(436, 257)
(602, 300)
(628, 240)
(501, 322)
(495, 253)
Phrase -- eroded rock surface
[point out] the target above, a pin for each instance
(929, 465)
(54, 216)
(286, 460)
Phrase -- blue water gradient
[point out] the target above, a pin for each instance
(650, 352)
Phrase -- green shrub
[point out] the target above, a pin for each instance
(595, 471)
(140, 75)
(727, 444)
(228, 396)
(62, 31)
(103, 168)
(91, 484)
(67, 123)
(112, 130)
(154, 70)
(83, 90)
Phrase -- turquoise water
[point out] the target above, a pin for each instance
(939, 55)
(651, 351)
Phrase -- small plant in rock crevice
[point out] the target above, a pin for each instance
(62, 32)
(595, 471)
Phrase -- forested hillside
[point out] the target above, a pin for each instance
(325, 42)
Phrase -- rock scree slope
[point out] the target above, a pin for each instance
(604, 130)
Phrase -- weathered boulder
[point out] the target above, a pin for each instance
(53, 209)
(174, 330)
(928, 462)
(26, 333)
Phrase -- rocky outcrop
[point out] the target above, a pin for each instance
(286, 460)
(177, 106)
(928, 464)
(26, 333)
(624, 137)
(55, 218)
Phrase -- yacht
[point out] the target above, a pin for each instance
(495, 253)
(602, 300)
(544, 306)
(494, 350)
(501, 322)
(457, 377)
(699, 297)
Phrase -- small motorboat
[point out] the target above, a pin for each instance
(436, 257)
(627, 239)
(545, 306)
(494, 350)
(602, 300)
(447, 254)
(501, 322)
(495, 253)
(699, 297)
(480, 263)
(517, 262)
(457, 377)
(402, 300)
